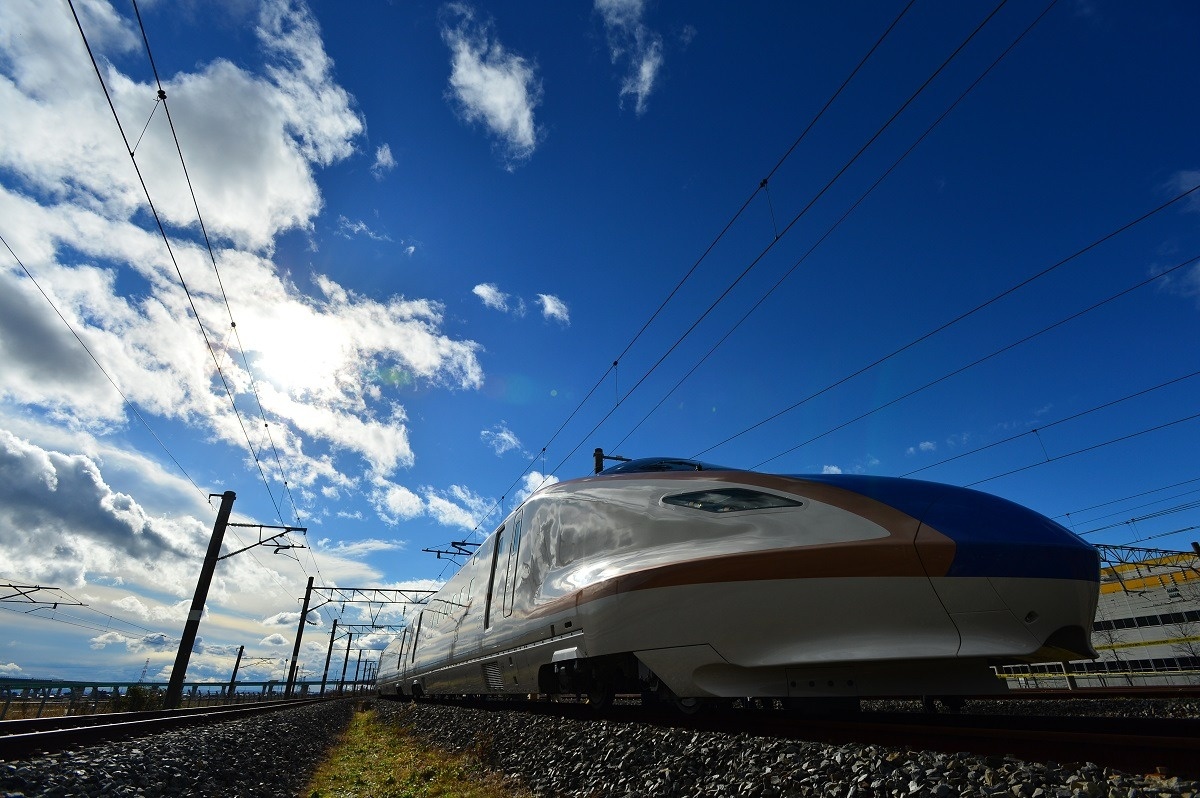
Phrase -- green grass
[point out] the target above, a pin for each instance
(374, 759)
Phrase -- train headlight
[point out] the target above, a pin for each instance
(728, 500)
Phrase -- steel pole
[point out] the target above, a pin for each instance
(328, 655)
(345, 662)
(291, 682)
(233, 677)
(175, 686)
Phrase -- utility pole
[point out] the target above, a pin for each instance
(175, 686)
(291, 682)
(233, 679)
(345, 662)
(328, 655)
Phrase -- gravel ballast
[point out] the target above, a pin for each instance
(604, 759)
(270, 754)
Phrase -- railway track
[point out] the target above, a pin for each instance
(20, 738)
(1130, 744)
(1134, 745)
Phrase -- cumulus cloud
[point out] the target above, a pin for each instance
(384, 162)
(135, 644)
(326, 366)
(635, 46)
(459, 507)
(491, 86)
(10, 669)
(51, 502)
(830, 469)
(395, 503)
(923, 446)
(533, 482)
(501, 439)
(554, 308)
(276, 639)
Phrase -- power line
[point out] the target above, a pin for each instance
(795, 219)
(109, 377)
(162, 94)
(829, 231)
(962, 316)
(984, 359)
(1086, 449)
(1044, 427)
(1135, 507)
(170, 251)
(704, 255)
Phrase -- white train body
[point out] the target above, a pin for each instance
(724, 583)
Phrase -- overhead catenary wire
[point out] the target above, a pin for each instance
(167, 242)
(792, 223)
(1046, 426)
(985, 358)
(162, 96)
(128, 402)
(1086, 449)
(829, 231)
(962, 316)
(763, 183)
(1111, 502)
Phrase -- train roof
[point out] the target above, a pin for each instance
(651, 464)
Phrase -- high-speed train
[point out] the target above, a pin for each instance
(693, 581)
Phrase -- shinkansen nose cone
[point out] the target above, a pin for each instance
(1015, 575)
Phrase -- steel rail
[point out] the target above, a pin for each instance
(19, 738)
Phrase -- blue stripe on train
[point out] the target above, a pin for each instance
(992, 536)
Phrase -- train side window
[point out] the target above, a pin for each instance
(514, 549)
(403, 643)
(497, 552)
(412, 655)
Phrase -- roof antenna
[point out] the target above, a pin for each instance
(598, 457)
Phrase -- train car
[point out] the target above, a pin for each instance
(691, 581)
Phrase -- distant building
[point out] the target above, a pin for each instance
(1147, 628)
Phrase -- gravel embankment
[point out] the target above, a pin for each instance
(272, 754)
(565, 758)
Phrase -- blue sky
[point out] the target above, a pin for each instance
(437, 226)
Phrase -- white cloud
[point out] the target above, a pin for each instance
(277, 639)
(324, 365)
(132, 605)
(395, 503)
(830, 469)
(60, 503)
(136, 644)
(923, 446)
(459, 507)
(533, 481)
(10, 669)
(491, 86)
(349, 229)
(492, 296)
(384, 162)
(501, 439)
(554, 308)
(630, 41)
(361, 548)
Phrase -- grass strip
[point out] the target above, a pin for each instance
(375, 759)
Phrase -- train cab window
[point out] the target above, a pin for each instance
(728, 500)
